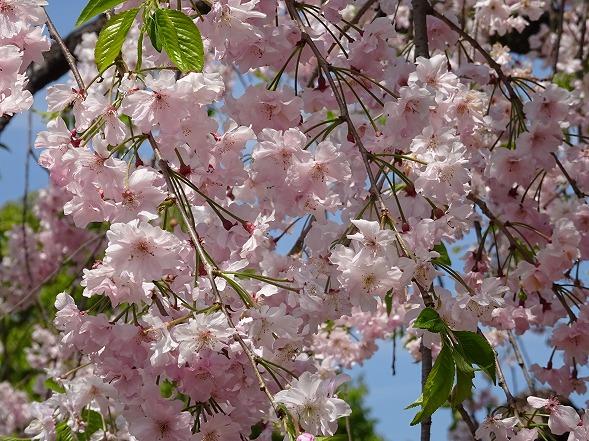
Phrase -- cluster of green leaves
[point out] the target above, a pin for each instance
(461, 351)
(168, 29)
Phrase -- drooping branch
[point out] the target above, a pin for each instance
(55, 64)
(325, 67)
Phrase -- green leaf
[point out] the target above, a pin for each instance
(463, 388)
(93, 422)
(111, 38)
(338, 437)
(153, 33)
(443, 252)
(477, 350)
(437, 386)
(180, 38)
(95, 7)
(9, 438)
(64, 432)
(564, 80)
(53, 385)
(388, 300)
(460, 361)
(429, 319)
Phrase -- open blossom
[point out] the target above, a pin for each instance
(159, 420)
(561, 419)
(312, 400)
(502, 428)
(201, 332)
(141, 251)
(164, 105)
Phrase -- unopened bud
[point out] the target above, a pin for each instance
(249, 227)
(227, 224)
(185, 170)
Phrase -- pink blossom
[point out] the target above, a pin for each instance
(562, 418)
(316, 407)
(141, 251)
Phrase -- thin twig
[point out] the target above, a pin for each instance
(512, 242)
(494, 65)
(343, 108)
(59, 268)
(54, 64)
(365, 8)
(558, 36)
(166, 172)
(25, 198)
(520, 362)
(467, 419)
(568, 177)
(299, 244)
(69, 58)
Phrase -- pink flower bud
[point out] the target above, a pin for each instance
(249, 227)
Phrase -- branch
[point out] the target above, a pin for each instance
(55, 64)
(420, 11)
(184, 214)
(343, 108)
(494, 65)
(526, 254)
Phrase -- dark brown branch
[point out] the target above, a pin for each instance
(55, 65)
(420, 11)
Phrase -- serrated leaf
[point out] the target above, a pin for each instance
(460, 362)
(437, 386)
(111, 38)
(180, 38)
(95, 7)
(53, 385)
(443, 252)
(477, 350)
(429, 319)
(152, 32)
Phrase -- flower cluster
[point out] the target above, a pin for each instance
(298, 193)
(21, 43)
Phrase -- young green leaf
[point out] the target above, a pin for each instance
(463, 388)
(153, 33)
(477, 350)
(93, 421)
(388, 300)
(10, 438)
(64, 432)
(53, 385)
(443, 252)
(180, 38)
(95, 7)
(429, 319)
(437, 386)
(111, 38)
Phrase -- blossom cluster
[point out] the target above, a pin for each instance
(21, 43)
(315, 123)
